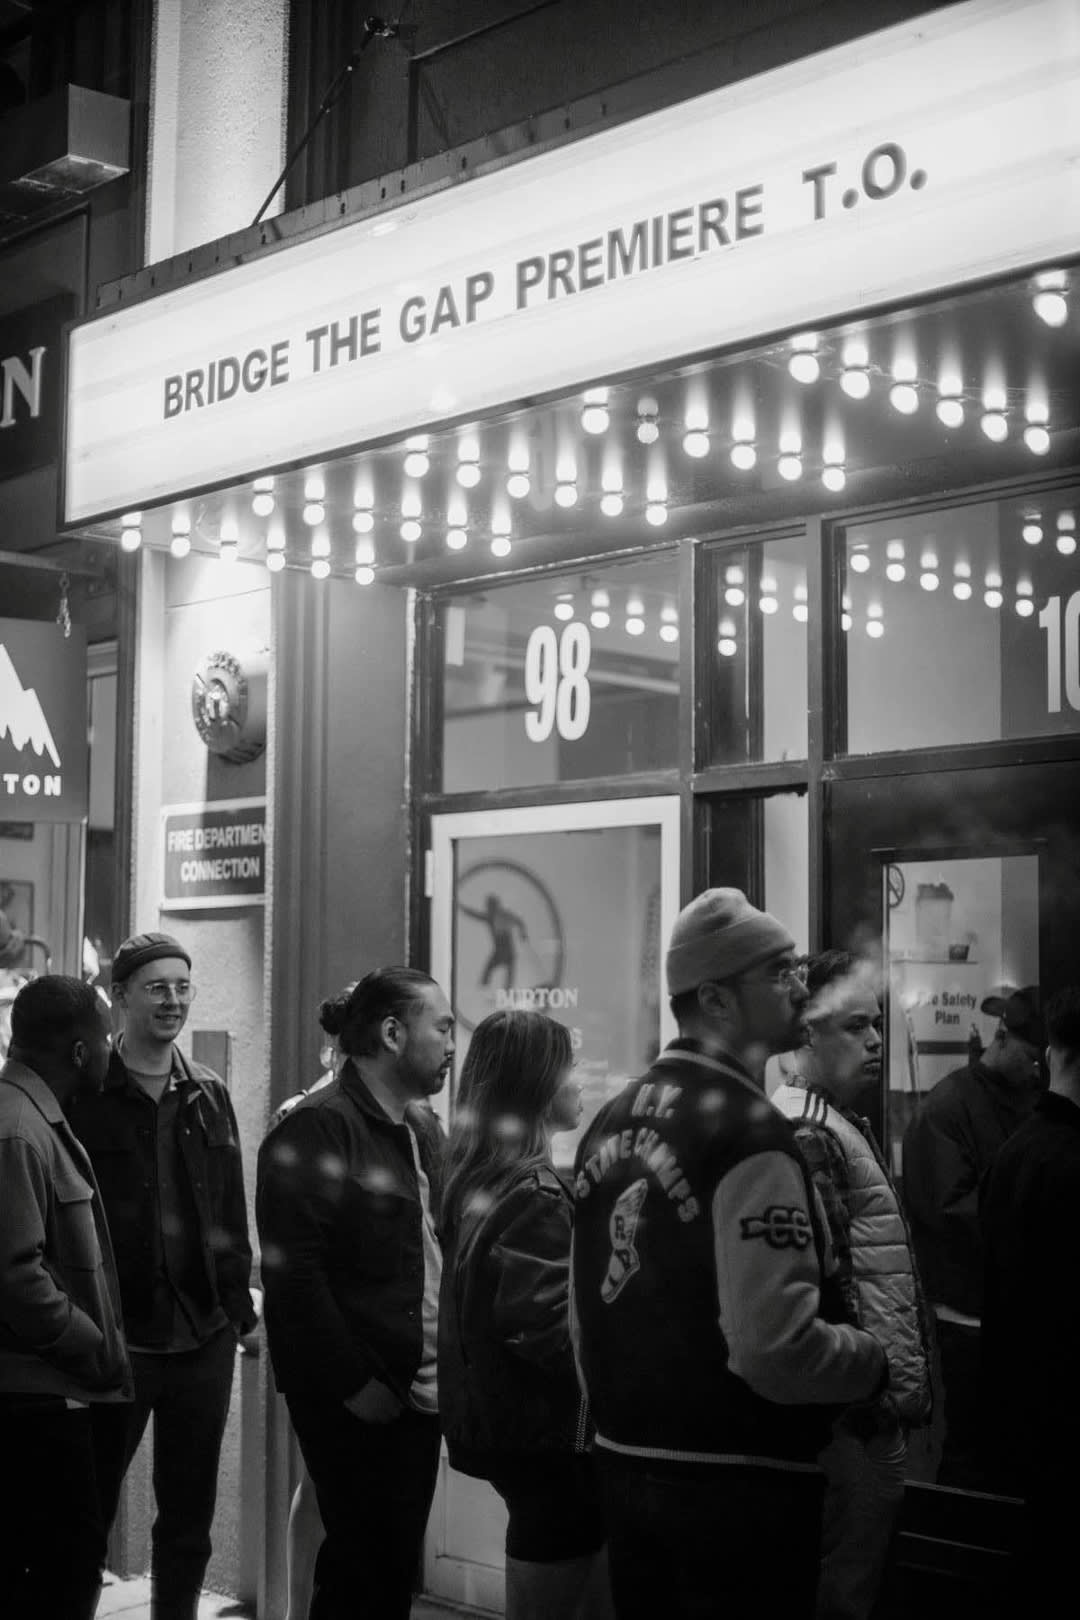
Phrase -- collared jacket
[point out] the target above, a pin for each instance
(111, 1128)
(872, 1245)
(340, 1225)
(507, 1382)
(709, 1328)
(60, 1324)
(960, 1129)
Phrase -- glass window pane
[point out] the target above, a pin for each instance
(758, 693)
(567, 923)
(963, 625)
(761, 844)
(562, 676)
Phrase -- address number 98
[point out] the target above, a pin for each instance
(556, 682)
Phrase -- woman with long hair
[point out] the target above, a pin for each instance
(508, 1392)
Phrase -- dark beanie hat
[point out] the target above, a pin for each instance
(718, 936)
(142, 948)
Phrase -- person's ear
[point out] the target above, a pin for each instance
(80, 1054)
(391, 1031)
(717, 1001)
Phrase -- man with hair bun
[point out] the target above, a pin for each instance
(62, 1346)
(346, 1204)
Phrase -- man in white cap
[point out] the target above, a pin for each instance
(709, 1334)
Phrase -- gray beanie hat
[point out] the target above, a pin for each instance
(718, 936)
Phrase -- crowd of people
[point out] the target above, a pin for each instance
(690, 1370)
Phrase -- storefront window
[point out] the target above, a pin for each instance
(758, 689)
(963, 625)
(761, 844)
(563, 676)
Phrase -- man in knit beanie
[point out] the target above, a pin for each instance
(709, 1328)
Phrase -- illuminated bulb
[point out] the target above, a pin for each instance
(727, 646)
(275, 540)
(1037, 438)
(635, 607)
(635, 627)
(518, 486)
(363, 522)
(768, 604)
(894, 550)
(564, 608)
(648, 429)
(181, 523)
(365, 574)
(743, 455)
(1066, 520)
(995, 426)
(962, 590)
(855, 381)
(875, 628)
(275, 561)
(896, 573)
(804, 366)
(734, 575)
(800, 612)
(669, 632)
(656, 514)
(500, 546)
(734, 596)
(130, 539)
(180, 545)
(320, 545)
(1051, 305)
(417, 462)
(566, 493)
(599, 618)
(962, 570)
(1031, 533)
(262, 484)
(314, 488)
(365, 553)
(131, 520)
(696, 443)
(904, 397)
(468, 474)
(320, 568)
(595, 417)
(845, 621)
(950, 411)
(789, 467)
(1066, 543)
(833, 477)
(600, 599)
(262, 504)
(314, 513)
(611, 504)
(411, 531)
(669, 613)
(860, 562)
(875, 611)
(993, 598)
(456, 539)
(1025, 607)
(929, 580)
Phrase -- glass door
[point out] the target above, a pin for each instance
(564, 909)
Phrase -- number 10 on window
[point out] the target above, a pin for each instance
(1050, 621)
(556, 681)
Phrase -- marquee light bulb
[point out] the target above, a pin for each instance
(727, 646)
(995, 425)
(275, 561)
(1031, 533)
(656, 514)
(456, 539)
(855, 381)
(768, 604)
(468, 474)
(744, 455)
(131, 520)
(1037, 438)
(800, 612)
(130, 539)
(1066, 543)
(1051, 306)
(417, 464)
(566, 493)
(180, 545)
(518, 485)
(1025, 607)
(950, 411)
(363, 522)
(696, 443)
(962, 590)
(314, 513)
(648, 427)
(314, 488)
(365, 574)
(875, 628)
(734, 596)
(411, 531)
(599, 618)
(993, 598)
(564, 609)
(805, 366)
(896, 573)
(320, 568)
(262, 504)
(595, 416)
(859, 562)
(669, 632)
(904, 397)
(601, 599)
(834, 477)
(500, 546)
(845, 621)
(929, 580)
(790, 467)
(320, 545)
(635, 626)
(611, 504)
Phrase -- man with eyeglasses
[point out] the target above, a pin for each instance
(707, 1320)
(164, 1144)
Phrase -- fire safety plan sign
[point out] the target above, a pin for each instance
(44, 759)
(214, 855)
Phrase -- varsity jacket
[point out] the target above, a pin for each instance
(870, 1240)
(708, 1325)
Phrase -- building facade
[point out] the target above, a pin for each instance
(639, 458)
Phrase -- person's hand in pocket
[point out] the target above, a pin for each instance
(375, 1403)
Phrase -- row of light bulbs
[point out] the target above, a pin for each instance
(600, 609)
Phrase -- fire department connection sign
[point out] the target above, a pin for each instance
(927, 155)
(214, 855)
(44, 760)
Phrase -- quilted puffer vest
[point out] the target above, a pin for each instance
(889, 1295)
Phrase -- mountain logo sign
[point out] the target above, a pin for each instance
(43, 722)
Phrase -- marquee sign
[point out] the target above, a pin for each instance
(927, 155)
(30, 351)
